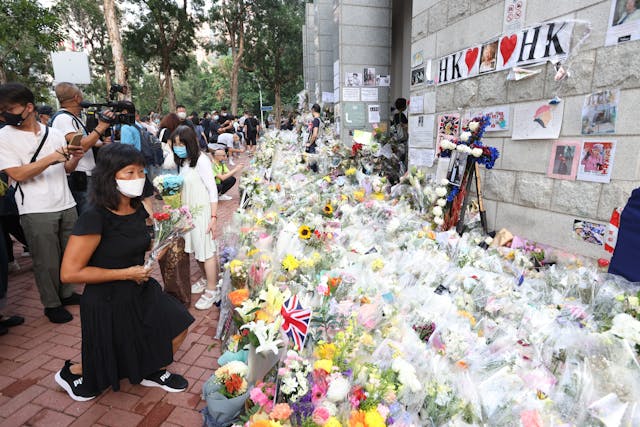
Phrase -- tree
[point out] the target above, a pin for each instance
(231, 20)
(28, 33)
(113, 28)
(84, 19)
(164, 37)
(276, 54)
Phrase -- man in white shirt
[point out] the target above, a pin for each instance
(226, 141)
(38, 159)
(67, 120)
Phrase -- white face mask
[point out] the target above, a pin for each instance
(182, 115)
(130, 187)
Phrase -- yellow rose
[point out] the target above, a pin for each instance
(324, 364)
(374, 419)
(326, 351)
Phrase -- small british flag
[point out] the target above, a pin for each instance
(296, 320)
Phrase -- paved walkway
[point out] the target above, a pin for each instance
(31, 353)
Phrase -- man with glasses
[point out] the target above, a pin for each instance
(224, 177)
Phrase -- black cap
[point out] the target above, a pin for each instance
(45, 109)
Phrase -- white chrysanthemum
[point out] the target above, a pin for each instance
(476, 152)
(338, 389)
(441, 191)
(437, 211)
(441, 202)
(438, 220)
(464, 136)
(473, 126)
(444, 181)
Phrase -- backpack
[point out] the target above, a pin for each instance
(150, 147)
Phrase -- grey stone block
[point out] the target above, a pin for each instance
(581, 69)
(492, 88)
(614, 195)
(420, 6)
(438, 16)
(598, 16)
(374, 3)
(444, 98)
(465, 93)
(627, 122)
(578, 198)
(365, 16)
(356, 36)
(527, 89)
(626, 162)
(572, 117)
(526, 155)
(479, 5)
(372, 56)
(498, 184)
(457, 10)
(541, 11)
(470, 31)
(419, 25)
(617, 66)
(534, 190)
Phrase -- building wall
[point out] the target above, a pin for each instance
(520, 196)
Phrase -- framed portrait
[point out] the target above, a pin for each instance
(369, 76)
(353, 79)
(563, 163)
(488, 57)
(596, 161)
(457, 166)
(599, 112)
(417, 76)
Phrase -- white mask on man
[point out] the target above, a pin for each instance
(130, 187)
(182, 115)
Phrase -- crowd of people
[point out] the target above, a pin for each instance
(79, 200)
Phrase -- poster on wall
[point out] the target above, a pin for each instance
(353, 79)
(369, 76)
(421, 131)
(563, 163)
(421, 157)
(374, 113)
(590, 232)
(369, 94)
(383, 80)
(416, 104)
(499, 117)
(417, 76)
(350, 94)
(624, 22)
(537, 120)
(448, 126)
(417, 59)
(599, 112)
(513, 15)
(596, 161)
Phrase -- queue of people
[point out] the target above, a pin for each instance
(84, 217)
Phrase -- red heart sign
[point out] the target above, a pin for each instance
(470, 58)
(507, 46)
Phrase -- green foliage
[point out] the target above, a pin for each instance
(28, 33)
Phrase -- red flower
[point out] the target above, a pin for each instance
(233, 383)
(355, 148)
(161, 216)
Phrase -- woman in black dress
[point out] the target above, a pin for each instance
(130, 328)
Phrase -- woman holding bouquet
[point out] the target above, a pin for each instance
(130, 328)
(200, 193)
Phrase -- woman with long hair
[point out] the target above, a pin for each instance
(130, 328)
(199, 192)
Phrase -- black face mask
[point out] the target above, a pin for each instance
(13, 119)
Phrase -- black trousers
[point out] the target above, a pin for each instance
(226, 185)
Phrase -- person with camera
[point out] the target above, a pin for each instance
(38, 159)
(68, 121)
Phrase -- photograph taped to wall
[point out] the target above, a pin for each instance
(369, 76)
(448, 127)
(599, 112)
(537, 120)
(353, 79)
(624, 22)
(596, 161)
(417, 59)
(457, 165)
(417, 76)
(590, 232)
(499, 117)
(489, 57)
(383, 80)
(563, 163)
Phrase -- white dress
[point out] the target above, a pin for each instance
(198, 192)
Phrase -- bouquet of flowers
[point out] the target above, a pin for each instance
(226, 393)
(169, 187)
(168, 225)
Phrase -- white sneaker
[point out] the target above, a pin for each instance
(199, 286)
(225, 197)
(14, 266)
(208, 298)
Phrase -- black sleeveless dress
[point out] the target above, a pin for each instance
(127, 328)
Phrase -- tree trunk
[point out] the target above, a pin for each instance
(3, 75)
(234, 83)
(116, 45)
(169, 92)
(278, 101)
(107, 78)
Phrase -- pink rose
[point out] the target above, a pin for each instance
(281, 411)
(321, 415)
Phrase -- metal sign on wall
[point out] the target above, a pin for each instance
(354, 114)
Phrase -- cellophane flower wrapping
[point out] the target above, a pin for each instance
(169, 225)
(413, 325)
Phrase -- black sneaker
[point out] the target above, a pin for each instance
(173, 383)
(73, 299)
(72, 384)
(58, 314)
(11, 321)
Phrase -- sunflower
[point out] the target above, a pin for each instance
(328, 209)
(304, 232)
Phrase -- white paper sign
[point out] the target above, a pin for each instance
(336, 76)
(499, 116)
(327, 97)
(421, 131)
(537, 120)
(430, 102)
(416, 105)
(442, 169)
(72, 67)
(350, 94)
(421, 157)
(369, 94)
(374, 113)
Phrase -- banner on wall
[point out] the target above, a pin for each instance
(544, 42)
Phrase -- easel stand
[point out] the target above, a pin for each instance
(473, 172)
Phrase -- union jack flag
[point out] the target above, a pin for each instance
(296, 320)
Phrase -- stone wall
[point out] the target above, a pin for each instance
(519, 195)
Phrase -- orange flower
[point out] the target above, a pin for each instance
(357, 419)
(233, 383)
(461, 364)
(261, 423)
(238, 297)
(263, 315)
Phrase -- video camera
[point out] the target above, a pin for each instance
(97, 110)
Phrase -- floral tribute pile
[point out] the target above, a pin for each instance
(402, 324)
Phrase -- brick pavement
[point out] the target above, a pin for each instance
(31, 353)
